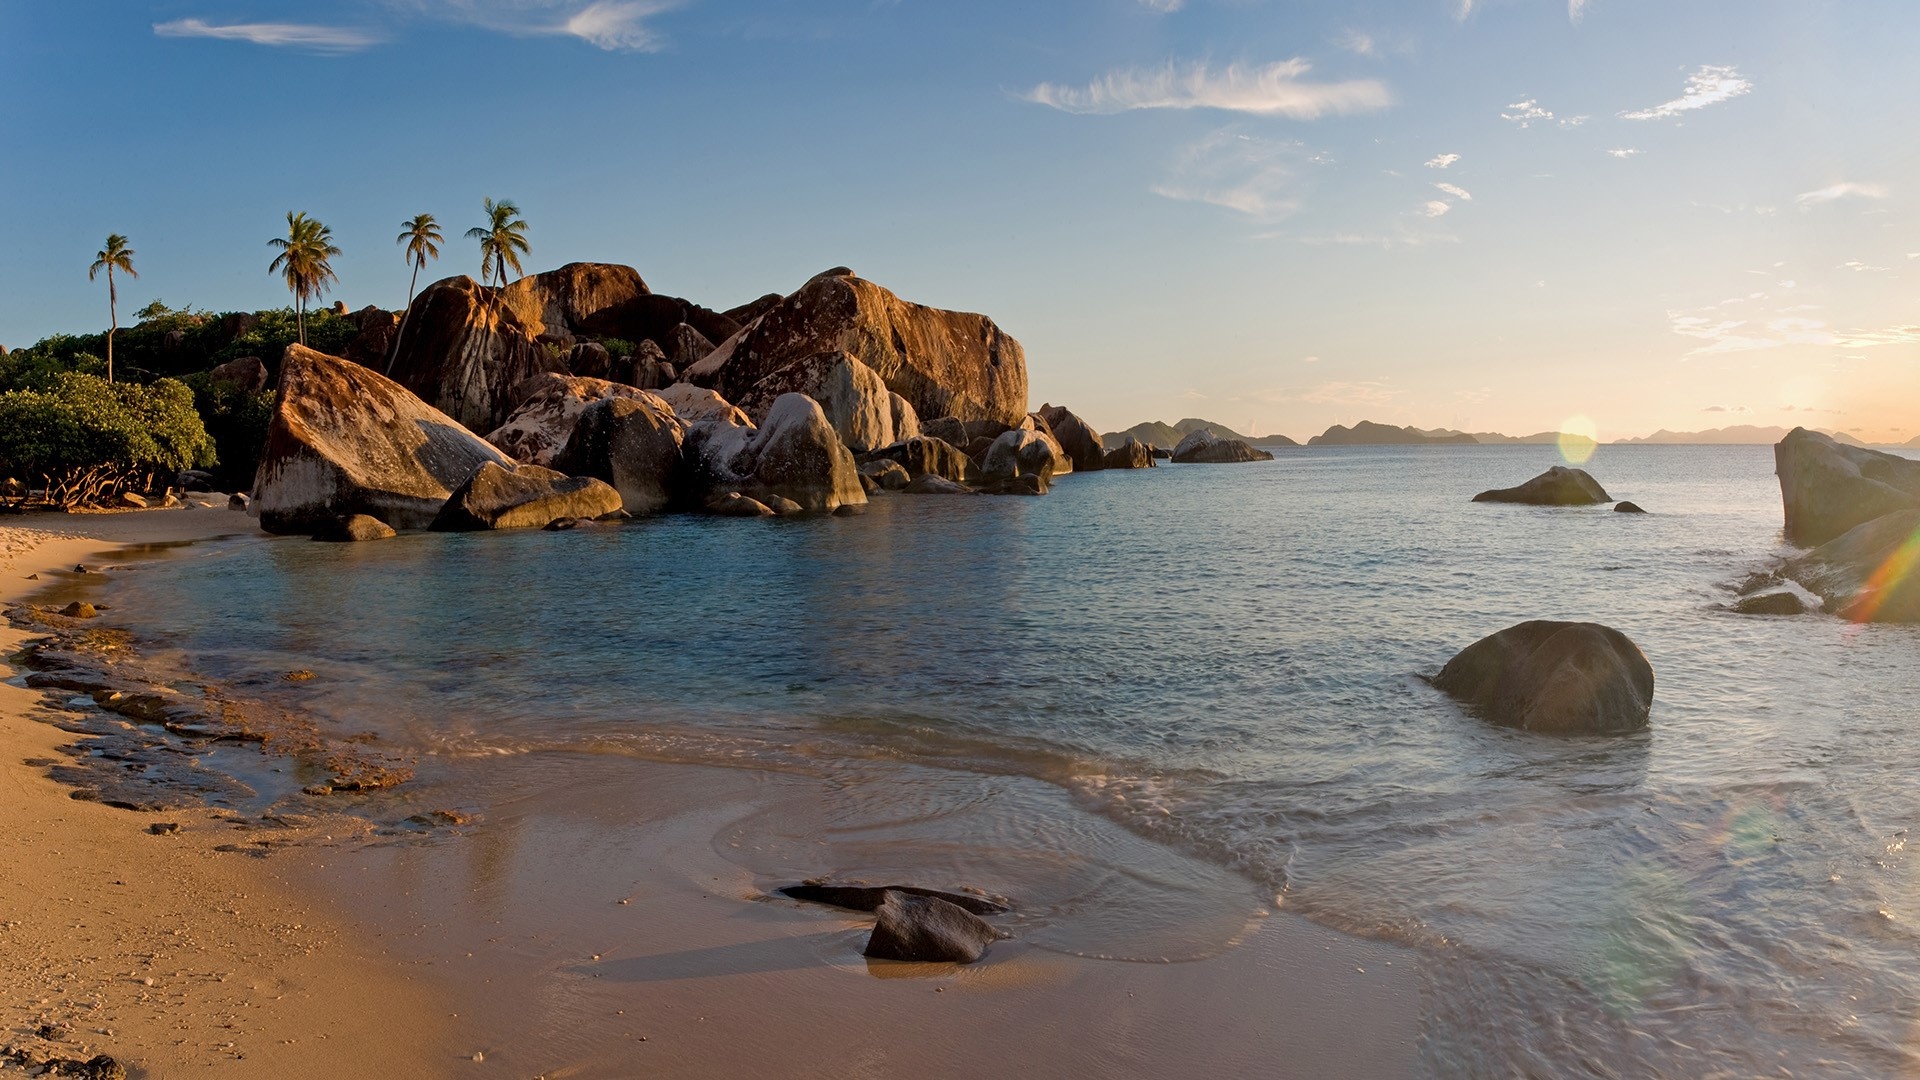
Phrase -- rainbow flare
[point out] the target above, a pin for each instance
(1893, 574)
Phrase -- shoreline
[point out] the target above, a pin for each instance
(712, 977)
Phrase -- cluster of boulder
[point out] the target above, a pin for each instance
(808, 403)
(1858, 510)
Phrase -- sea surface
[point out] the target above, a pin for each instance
(1152, 706)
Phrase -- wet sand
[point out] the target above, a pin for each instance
(597, 928)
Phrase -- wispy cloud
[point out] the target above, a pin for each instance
(1442, 161)
(1576, 9)
(1836, 192)
(1435, 208)
(1402, 236)
(1270, 90)
(1711, 85)
(1455, 191)
(1623, 154)
(614, 25)
(1751, 323)
(328, 39)
(1526, 113)
(1256, 177)
(1358, 42)
(1164, 5)
(1859, 267)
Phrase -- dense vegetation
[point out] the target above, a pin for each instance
(84, 439)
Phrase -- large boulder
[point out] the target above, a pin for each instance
(1829, 488)
(346, 440)
(354, 528)
(646, 367)
(464, 349)
(523, 497)
(1558, 486)
(633, 442)
(1559, 678)
(944, 363)
(1870, 573)
(1016, 454)
(248, 374)
(924, 454)
(1132, 454)
(576, 298)
(1076, 437)
(794, 454)
(691, 403)
(906, 422)
(909, 926)
(1202, 446)
(686, 346)
(550, 408)
(886, 474)
(590, 359)
(856, 402)
(373, 345)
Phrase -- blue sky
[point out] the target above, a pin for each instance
(1274, 213)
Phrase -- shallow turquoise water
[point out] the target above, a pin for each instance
(1217, 668)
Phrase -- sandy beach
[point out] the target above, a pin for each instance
(596, 930)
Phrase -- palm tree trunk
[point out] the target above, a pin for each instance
(300, 315)
(113, 317)
(394, 352)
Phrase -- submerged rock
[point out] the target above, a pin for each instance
(80, 609)
(1558, 486)
(1828, 488)
(927, 929)
(354, 528)
(1559, 678)
(1627, 508)
(523, 497)
(734, 504)
(345, 440)
(935, 484)
(1203, 447)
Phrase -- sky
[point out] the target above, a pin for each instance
(1507, 215)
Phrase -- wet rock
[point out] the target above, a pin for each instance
(1558, 486)
(346, 440)
(734, 504)
(887, 473)
(523, 497)
(944, 363)
(164, 828)
(1202, 446)
(870, 897)
(1627, 508)
(355, 528)
(1871, 573)
(926, 929)
(783, 507)
(927, 454)
(1560, 678)
(1780, 602)
(1076, 438)
(1132, 454)
(634, 443)
(79, 609)
(1828, 488)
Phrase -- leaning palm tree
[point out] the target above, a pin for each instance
(422, 236)
(304, 260)
(502, 239)
(115, 256)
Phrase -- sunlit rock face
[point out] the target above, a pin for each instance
(1828, 488)
(944, 363)
(795, 454)
(1557, 678)
(550, 407)
(523, 497)
(1203, 447)
(346, 440)
(856, 402)
(1076, 437)
(633, 442)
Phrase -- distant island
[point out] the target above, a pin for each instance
(1738, 435)
(1369, 433)
(1167, 436)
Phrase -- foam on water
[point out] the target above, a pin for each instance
(1150, 702)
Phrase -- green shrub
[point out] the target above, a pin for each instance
(87, 438)
(617, 347)
(237, 422)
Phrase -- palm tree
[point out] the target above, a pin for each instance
(115, 256)
(502, 239)
(422, 236)
(304, 260)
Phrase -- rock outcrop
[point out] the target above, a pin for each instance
(1132, 454)
(549, 410)
(633, 442)
(944, 363)
(1558, 486)
(886, 473)
(1829, 488)
(856, 401)
(927, 929)
(464, 349)
(1076, 437)
(1020, 452)
(1202, 446)
(355, 528)
(346, 440)
(906, 422)
(511, 496)
(373, 345)
(247, 374)
(1559, 678)
(795, 454)
(691, 403)
(1871, 573)
(925, 454)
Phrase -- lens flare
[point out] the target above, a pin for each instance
(1893, 576)
(1578, 439)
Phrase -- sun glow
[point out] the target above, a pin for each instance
(1578, 439)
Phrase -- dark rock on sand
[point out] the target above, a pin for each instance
(1202, 446)
(523, 497)
(1558, 486)
(354, 528)
(346, 440)
(1829, 488)
(1132, 454)
(1076, 437)
(944, 363)
(869, 897)
(926, 929)
(1561, 678)
(79, 609)
(1627, 508)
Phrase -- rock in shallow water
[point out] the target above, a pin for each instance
(526, 497)
(927, 929)
(1560, 678)
(1779, 602)
(1627, 508)
(1558, 486)
(1203, 447)
(1828, 489)
(354, 528)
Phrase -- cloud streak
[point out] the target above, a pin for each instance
(330, 39)
(1256, 177)
(1836, 192)
(1270, 90)
(1442, 161)
(1711, 85)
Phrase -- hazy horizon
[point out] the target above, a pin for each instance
(1470, 214)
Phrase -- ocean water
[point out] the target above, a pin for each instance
(1151, 706)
